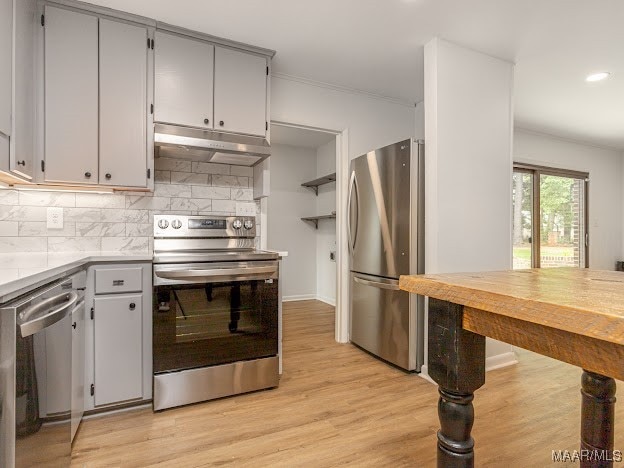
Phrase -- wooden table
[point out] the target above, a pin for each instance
(573, 315)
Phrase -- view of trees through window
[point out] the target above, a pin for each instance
(548, 220)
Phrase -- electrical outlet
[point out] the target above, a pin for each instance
(55, 218)
(245, 209)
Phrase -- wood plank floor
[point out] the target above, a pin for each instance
(338, 406)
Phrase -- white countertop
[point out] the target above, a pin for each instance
(281, 253)
(23, 271)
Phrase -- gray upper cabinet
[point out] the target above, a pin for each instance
(71, 96)
(6, 65)
(183, 81)
(23, 137)
(123, 104)
(240, 90)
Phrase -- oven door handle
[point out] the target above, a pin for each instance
(212, 274)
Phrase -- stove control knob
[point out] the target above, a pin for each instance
(237, 224)
(163, 224)
(176, 224)
(248, 224)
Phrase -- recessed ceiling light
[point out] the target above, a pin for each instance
(597, 76)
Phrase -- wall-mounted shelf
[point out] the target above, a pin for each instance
(314, 184)
(316, 219)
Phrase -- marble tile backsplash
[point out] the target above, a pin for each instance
(123, 221)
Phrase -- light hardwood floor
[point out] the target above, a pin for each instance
(338, 406)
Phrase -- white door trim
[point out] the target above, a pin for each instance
(342, 255)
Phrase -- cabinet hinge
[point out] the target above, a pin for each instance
(149, 173)
(42, 166)
(266, 125)
(152, 44)
(92, 313)
(151, 108)
(267, 71)
(42, 20)
(92, 389)
(149, 41)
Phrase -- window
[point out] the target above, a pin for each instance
(549, 217)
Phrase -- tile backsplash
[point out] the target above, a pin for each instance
(123, 220)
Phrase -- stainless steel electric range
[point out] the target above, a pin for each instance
(215, 311)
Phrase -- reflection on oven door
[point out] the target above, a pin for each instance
(215, 323)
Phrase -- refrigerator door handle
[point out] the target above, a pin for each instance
(352, 185)
(391, 284)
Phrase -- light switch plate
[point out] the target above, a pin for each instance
(245, 209)
(55, 218)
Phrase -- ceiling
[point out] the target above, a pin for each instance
(377, 46)
(294, 136)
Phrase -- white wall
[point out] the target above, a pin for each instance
(286, 205)
(366, 122)
(372, 122)
(605, 168)
(326, 234)
(468, 135)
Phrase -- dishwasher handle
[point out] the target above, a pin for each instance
(46, 313)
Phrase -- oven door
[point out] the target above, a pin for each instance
(214, 313)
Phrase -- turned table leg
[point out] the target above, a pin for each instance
(456, 362)
(597, 416)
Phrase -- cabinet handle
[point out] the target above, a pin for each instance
(88, 175)
(74, 325)
(206, 121)
(132, 306)
(108, 176)
(21, 163)
(222, 123)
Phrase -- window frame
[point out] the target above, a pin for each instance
(536, 172)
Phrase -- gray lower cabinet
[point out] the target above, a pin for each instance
(77, 366)
(118, 351)
(119, 335)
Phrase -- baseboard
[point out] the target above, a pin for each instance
(327, 300)
(309, 297)
(501, 360)
(300, 297)
(493, 362)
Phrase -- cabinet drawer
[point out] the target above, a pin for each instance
(118, 280)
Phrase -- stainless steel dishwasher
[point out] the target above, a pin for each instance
(36, 375)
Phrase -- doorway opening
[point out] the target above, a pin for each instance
(549, 217)
(303, 213)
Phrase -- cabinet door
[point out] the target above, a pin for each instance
(183, 81)
(240, 92)
(78, 366)
(118, 348)
(6, 64)
(23, 137)
(123, 104)
(71, 96)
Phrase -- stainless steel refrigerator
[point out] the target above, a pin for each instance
(386, 239)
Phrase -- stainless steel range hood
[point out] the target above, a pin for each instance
(209, 146)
